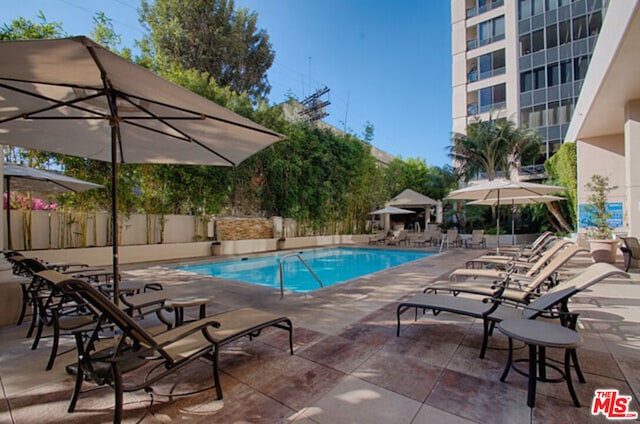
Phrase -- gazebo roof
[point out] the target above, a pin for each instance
(410, 198)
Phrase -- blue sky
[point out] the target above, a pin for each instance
(386, 62)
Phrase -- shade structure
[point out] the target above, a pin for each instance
(519, 200)
(74, 97)
(23, 178)
(499, 189)
(392, 210)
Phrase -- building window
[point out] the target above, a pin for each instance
(553, 75)
(566, 72)
(526, 81)
(579, 28)
(525, 45)
(533, 117)
(492, 97)
(564, 32)
(580, 66)
(538, 7)
(524, 9)
(553, 113)
(537, 41)
(528, 8)
(538, 78)
(486, 66)
(551, 4)
(491, 30)
(595, 23)
(552, 36)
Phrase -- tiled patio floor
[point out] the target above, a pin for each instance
(348, 366)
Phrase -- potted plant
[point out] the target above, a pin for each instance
(603, 248)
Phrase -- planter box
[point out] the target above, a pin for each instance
(603, 250)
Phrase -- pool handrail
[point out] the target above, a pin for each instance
(289, 255)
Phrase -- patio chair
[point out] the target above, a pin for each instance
(630, 250)
(523, 262)
(57, 311)
(378, 238)
(477, 239)
(169, 351)
(491, 310)
(520, 288)
(27, 267)
(527, 250)
(402, 237)
(452, 238)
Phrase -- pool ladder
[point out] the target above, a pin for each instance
(290, 255)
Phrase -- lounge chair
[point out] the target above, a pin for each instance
(378, 238)
(522, 262)
(57, 311)
(477, 239)
(495, 309)
(527, 250)
(170, 351)
(518, 288)
(630, 250)
(401, 237)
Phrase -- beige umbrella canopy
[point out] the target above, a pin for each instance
(500, 189)
(519, 200)
(74, 97)
(23, 178)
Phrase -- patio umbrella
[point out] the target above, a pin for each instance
(23, 178)
(74, 97)
(513, 201)
(391, 210)
(500, 189)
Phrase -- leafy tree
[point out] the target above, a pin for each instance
(211, 36)
(492, 145)
(562, 169)
(26, 29)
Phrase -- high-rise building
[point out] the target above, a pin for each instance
(524, 60)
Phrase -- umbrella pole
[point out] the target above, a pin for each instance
(9, 241)
(115, 139)
(498, 224)
(513, 222)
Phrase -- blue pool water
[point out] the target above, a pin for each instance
(333, 265)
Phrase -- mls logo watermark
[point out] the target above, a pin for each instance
(612, 405)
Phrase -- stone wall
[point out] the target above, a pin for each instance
(232, 228)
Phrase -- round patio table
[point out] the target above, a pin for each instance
(179, 303)
(539, 335)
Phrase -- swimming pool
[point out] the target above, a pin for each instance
(332, 265)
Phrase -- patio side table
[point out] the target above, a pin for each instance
(539, 335)
(179, 303)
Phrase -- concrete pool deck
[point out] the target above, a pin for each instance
(348, 366)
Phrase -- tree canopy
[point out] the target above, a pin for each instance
(211, 36)
(491, 146)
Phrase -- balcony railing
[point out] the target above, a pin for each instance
(475, 11)
(477, 42)
(473, 76)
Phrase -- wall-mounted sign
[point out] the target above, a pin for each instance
(586, 220)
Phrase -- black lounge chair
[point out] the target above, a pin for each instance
(170, 350)
(495, 309)
(59, 312)
(630, 250)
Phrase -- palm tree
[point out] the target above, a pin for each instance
(492, 145)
